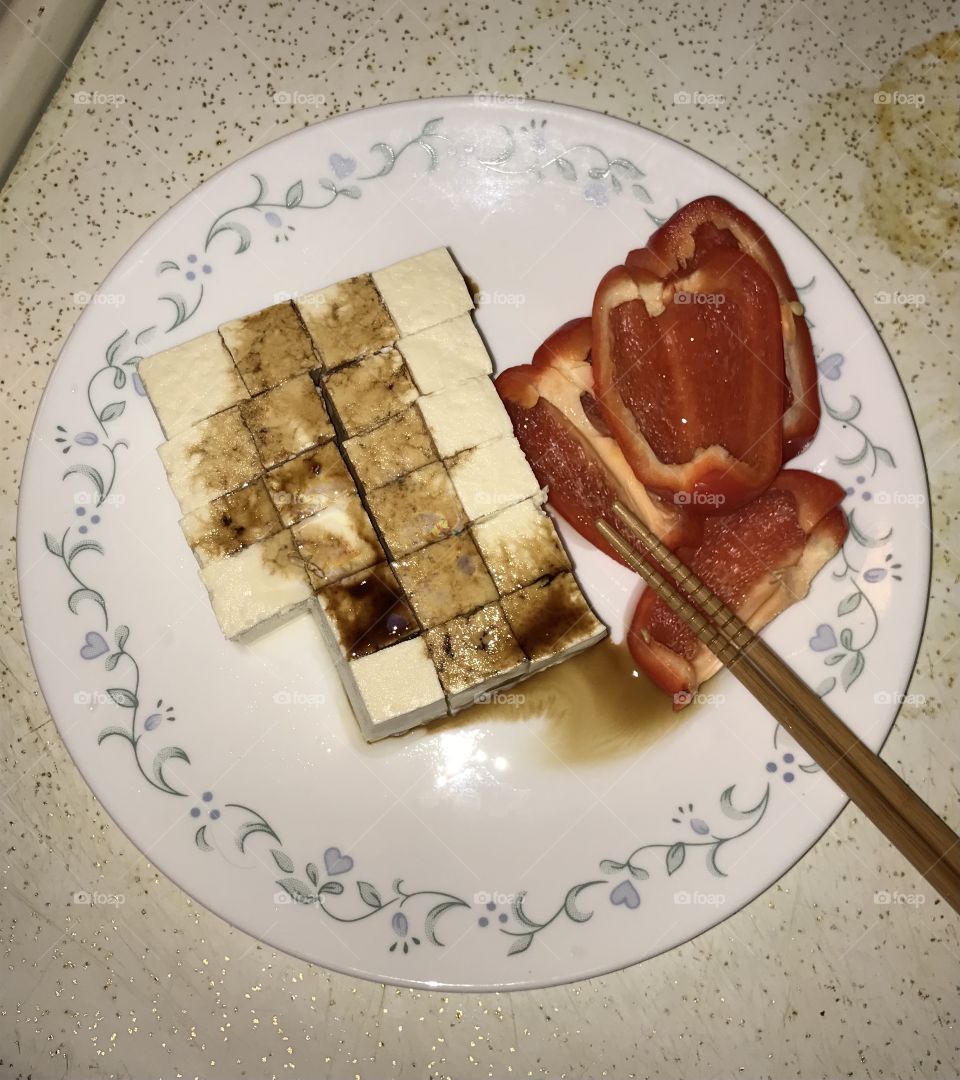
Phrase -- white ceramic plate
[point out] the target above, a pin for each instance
(239, 771)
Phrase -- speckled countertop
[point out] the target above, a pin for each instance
(809, 980)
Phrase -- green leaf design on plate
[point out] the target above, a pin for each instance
(312, 873)
(168, 753)
(523, 942)
(852, 671)
(84, 545)
(826, 686)
(335, 888)
(300, 891)
(112, 411)
(120, 636)
(294, 195)
(566, 168)
(433, 917)
(569, 902)
(109, 732)
(92, 474)
(676, 853)
(113, 348)
(611, 866)
(849, 603)
(123, 697)
(53, 544)
(369, 895)
(78, 595)
(283, 861)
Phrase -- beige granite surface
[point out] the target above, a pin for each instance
(813, 979)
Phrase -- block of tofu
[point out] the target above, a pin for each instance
(418, 509)
(520, 545)
(396, 448)
(309, 483)
(446, 354)
(346, 321)
(338, 541)
(445, 579)
(231, 523)
(552, 620)
(191, 382)
(258, 587)
(369, 391)
(423, 291)
(269, 346)
(287, 419)
(209, 459)
(394, 690)
(492, 476)
(364, 613)
(465, 415)
(475, 654)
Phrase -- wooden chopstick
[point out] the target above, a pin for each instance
(904, 818)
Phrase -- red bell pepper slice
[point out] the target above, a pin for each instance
(686, 239)
(758, 559)
(552, 405)
(690, 379)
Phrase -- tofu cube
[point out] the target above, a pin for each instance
(369, 391)
(364, 613)
(336, 542)
(492, 476)
(399, 446)
(269, 346)
(231, 523)
(309, 483)
(191, 382)
(394, 690)
(552, 620)
(346, 321)
(464, 416)
(418, 509)
(474, 654)
(445, 580)
(258, 587)
(209, 459)
(423, 291)
(520, 545)
(287, 419)
(445, 355)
